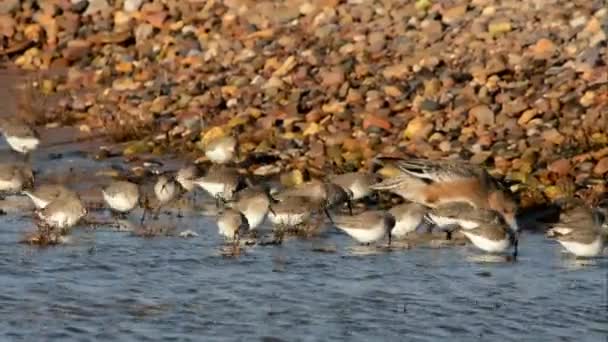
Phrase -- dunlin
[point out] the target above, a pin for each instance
(253, 202)
(187, 175)
(46, 193)
(493, 237)
(291, 211)
(368, 226)
(435, 182)
(19, 135)
(324, 194)
(486, 229)
(579, 231)
(121, 196)
(221, 150)
(358, 183)
(230, 223)
(461, 214)
(221, 183)
(408, 216)
(15, 177)
(166, 190)
(62, 213)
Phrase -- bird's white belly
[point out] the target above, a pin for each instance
(359, 191)
(492, 246)
(366, 235)
(165, 194)
(214, 189)
(219, 155)
(584, 250)
(442, 221)
(120, 202)
(405, 225)
(225, 230)
(287, 219)
(254, 217)
(22, 144)
(11, 185)
(62, 219)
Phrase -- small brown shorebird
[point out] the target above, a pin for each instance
(61, 214)
(253, 202)
(408, 217)
(231, 223)
(221, 150)
(122, 197)
(368, 226)
(221, 182)
(15, 177)
(166, 189)
(486, 229)
(580, 231)
(186, 176)
(436, 182)
(291, 213)
(44, 194)
(324, 194)
(359, 183)
(20, 136)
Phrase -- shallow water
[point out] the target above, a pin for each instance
(116, 286)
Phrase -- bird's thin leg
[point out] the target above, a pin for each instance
(143, 215)
(328, 215)
(279, 231)
(515, 243)
(349, 203)
(157, 212)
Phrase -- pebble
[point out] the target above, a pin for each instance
(483, 114)
(132, 5)
(601, 167)
(543, 49)
(561, 167)
(7, 6)
(96, 6)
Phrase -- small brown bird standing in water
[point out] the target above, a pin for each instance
(44, 194)
(166, 190)
(368, 226)
(221, 182)
(359, 183)
(62, 213)
(324, 194)
(221, 150)
(19, 135)
(186, 177)
(485, 228)
(121, 196)
(15, 177)
(230, 223)
(580, 231)
(408, 216)
(253, 202)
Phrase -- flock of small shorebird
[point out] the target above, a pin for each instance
(448, 196)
